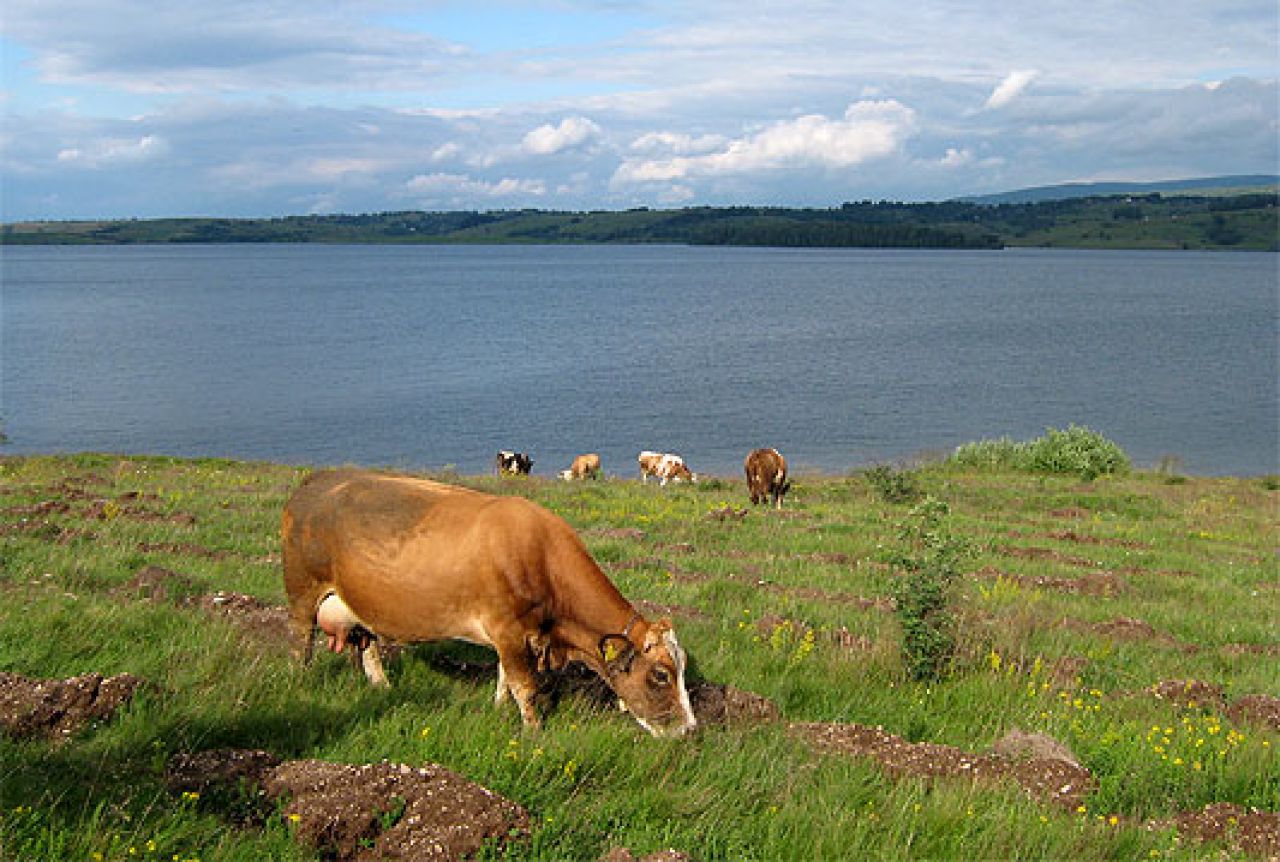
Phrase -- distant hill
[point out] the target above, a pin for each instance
(1236, 184)
(1131, 219)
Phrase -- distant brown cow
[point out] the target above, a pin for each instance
(370, 556)
(766, 476)
(583, 467)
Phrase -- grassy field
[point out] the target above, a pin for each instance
(1080, 599)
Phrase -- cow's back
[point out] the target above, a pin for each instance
(414, 559)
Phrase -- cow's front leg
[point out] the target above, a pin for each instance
(516, 677)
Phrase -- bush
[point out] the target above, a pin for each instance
(930, 560)
(894, 486)
(1077, 451)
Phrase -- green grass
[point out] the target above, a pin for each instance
(1196, 560)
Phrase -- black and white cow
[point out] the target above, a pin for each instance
(513, 463)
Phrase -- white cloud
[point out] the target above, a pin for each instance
(1011, 88)
(572, 133)
(867, 131)
(956, 158)
(115, 151)
(442, 186)
(675, 143)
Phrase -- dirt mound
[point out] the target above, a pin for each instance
(1261, 709)
(390, 811)
(205, 770)
(659, 609)
(58, 708)
(1190, 693)
(1129, 629)
(154, 584)
(1257, 833)
(1050, 554)
(1096, 584)
(357, 812)
(1046, 778)
(724, 704)
(1085, 539)
(265, 623)
(726, 513)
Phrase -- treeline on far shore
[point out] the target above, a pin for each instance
(1145, 221)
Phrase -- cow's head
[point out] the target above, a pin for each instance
(649, 677)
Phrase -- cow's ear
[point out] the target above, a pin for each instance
(657, 631)
(617, 652)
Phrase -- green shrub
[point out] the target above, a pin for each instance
(893, 485)
(1077, 451)
(930, 560)
(1001, 454)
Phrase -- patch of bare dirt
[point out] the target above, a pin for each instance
(102, 509)
(1161, 573)
(1046, 778)
(1073, 512)
(724, 704)
(156, 584)
(1259, 709)
(678, 547)
(363, 812)
(1038, 766)
(390, 811)
(1129, 629)
(1086, 539)
(1190, 693)
(883, 603)
(215, 768)
(1067, 670)
(1044, 554)
(658, 609)
(58, 708)
(1105, 584)
(264, 622)
(726, 513)
(1254, 832)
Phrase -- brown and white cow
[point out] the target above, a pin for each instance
(666, 467)
(370, 556)
(583, 467)
(512, 463)
(766, 476)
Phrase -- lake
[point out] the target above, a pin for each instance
(419, 357)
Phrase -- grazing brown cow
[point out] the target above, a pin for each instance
(370, 556)
(766, 476)
(583, 467)
(666, 467)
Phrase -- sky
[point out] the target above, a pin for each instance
(127, 108)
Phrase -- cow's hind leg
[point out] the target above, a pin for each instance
(371, 663)
(302, 624)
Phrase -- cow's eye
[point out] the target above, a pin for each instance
(660, 676)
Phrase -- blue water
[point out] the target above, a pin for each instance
(420, 357)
